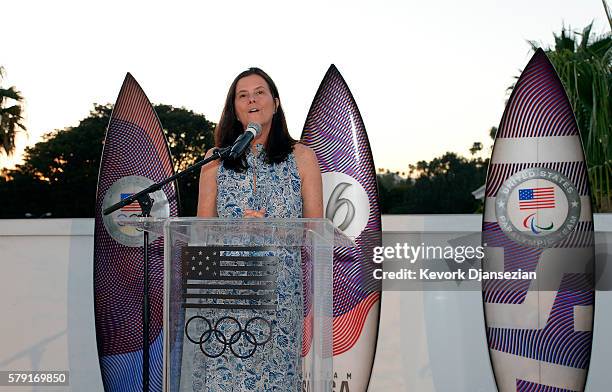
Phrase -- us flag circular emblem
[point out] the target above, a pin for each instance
(537, 207)
(121, 189)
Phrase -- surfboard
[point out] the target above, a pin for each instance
(135, 155)
(538, 219)
(334, 129)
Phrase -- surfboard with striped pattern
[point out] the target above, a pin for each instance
(135, 155)
(334, 129)
(538, 219)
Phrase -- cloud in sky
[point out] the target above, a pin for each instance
(428, 77)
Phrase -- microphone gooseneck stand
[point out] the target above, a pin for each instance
(146, 205)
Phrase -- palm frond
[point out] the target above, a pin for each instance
(607, 13)
(583, 62)
(11, 116)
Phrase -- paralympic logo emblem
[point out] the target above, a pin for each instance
(536, 229)
(537, 207)
(228, 332)
(119, 190)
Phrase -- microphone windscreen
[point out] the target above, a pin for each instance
(255, 127)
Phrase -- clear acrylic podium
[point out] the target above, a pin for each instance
(247, 302)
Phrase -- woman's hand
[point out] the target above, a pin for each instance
(255, 213)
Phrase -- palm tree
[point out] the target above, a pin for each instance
(605, 5)
(584, 64)
(11, 109)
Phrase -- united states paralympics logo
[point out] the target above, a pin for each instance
(537, 207)
(121, 189)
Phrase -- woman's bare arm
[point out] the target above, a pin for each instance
(312, 184)
(207, 193)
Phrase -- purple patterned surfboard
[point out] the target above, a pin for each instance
(135, 156)
(538, 229)
(335, 131)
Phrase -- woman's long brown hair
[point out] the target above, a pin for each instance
(279, 144)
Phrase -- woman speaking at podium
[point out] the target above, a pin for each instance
(276, 178)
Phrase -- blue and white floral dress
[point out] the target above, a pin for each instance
(277, 189)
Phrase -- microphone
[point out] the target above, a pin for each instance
(243, 141)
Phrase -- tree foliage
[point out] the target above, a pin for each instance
(59, 174)
(443, 185)
(584, 64)
(11, 110)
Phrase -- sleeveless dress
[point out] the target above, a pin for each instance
(278, 190)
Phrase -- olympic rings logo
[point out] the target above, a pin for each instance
(218, 341)
(123, 216)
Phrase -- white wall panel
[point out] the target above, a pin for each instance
(429, 341)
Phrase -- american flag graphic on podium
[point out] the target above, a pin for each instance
(229, 277)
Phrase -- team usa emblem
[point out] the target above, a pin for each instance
(121, 189)
(537, 207)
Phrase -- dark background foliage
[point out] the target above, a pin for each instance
(443, 185)
(59, 174)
